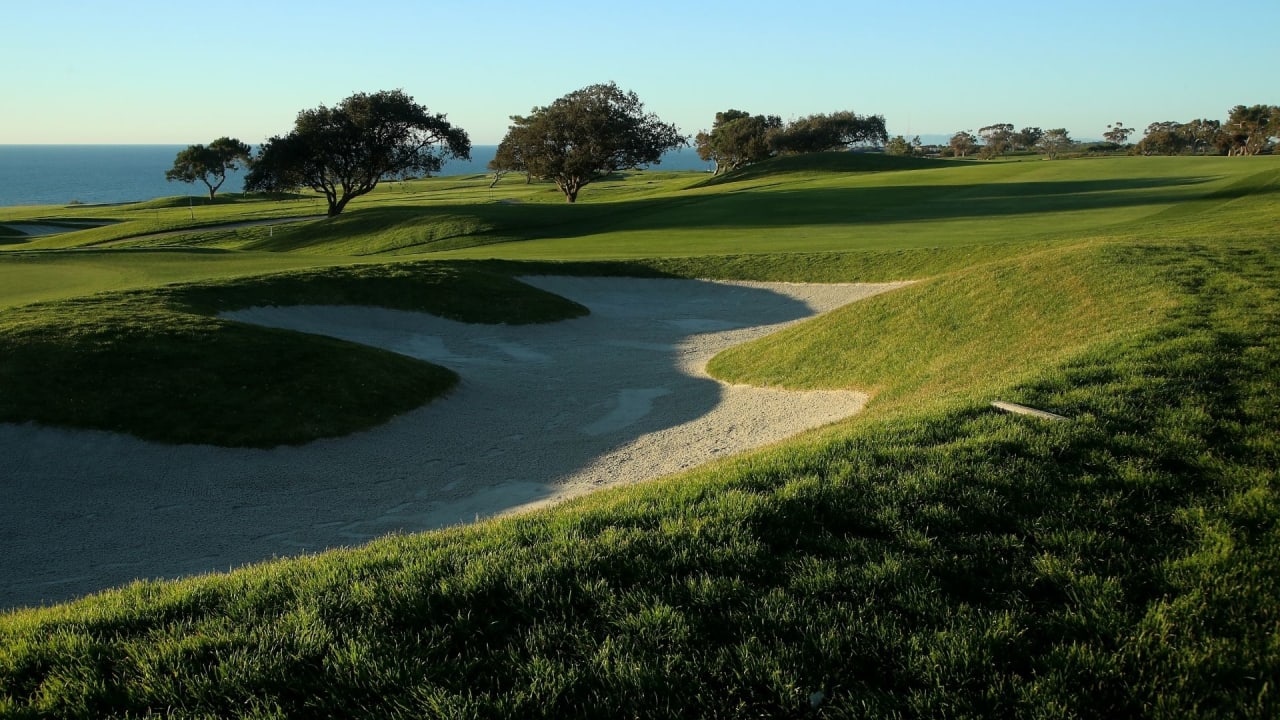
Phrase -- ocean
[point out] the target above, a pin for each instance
(93, 174)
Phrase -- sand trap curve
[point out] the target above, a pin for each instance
(543, 412)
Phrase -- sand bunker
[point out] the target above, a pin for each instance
(543, 412)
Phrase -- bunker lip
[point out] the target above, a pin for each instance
(542, 413)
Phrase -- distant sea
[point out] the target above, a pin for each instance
(92, 174)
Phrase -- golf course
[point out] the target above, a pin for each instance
(692, 445)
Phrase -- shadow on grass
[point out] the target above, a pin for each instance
(442, 227)
(834, 162)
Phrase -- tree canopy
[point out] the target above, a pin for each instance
(837, 131)
(1027, 138)
(1163, 138)
(963, 143)
(738, 138)
(1054, 142)
(584, 136)
(209, 163)
(996, 139)
(344, 151)
(1251, 128)
(900, 145)
(1117, 133)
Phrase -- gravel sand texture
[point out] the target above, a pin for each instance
(543, 412)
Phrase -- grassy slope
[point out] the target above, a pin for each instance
(929, 558)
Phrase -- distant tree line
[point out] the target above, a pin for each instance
(1000, 139)
(738, 138)
(1249, 130)
(345, 151)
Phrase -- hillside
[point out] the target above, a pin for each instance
(928, 557)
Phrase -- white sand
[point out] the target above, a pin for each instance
(543, 412)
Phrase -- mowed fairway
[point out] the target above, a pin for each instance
(928, 557)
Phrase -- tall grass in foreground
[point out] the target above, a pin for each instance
(933, 559)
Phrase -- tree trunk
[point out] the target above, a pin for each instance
(570, 188)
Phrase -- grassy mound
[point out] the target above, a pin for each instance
(158, 365)
(967, 332)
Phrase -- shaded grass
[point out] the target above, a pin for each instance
(933, 561)
(831, 162)
(157, 364)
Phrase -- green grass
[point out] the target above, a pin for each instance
(929, 558)
(30, 277)
(967, 332)
(836, 205)
(159, 364)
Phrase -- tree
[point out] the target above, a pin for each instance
(1204, 136)
(1252, 128)
(837, 131)
(899, 145)
(963, 143)
(1163, 138)
(996, 139)
(586, 135)
(1026, 138)
(509, 158)
(1117, 133)
(1055, 142)
(209, 164)
(344, 151)
(737, 138)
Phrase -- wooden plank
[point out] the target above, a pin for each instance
(1024, 410)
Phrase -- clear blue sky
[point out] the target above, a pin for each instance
(166, 72)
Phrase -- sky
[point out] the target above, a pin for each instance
(182, 73)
